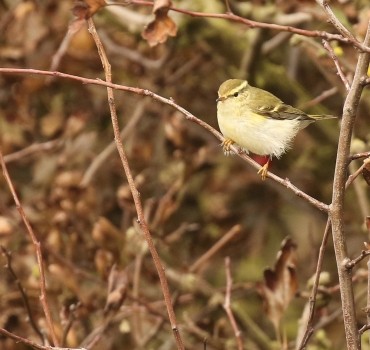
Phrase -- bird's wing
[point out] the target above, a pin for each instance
(266, 104)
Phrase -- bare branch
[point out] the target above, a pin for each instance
(135, 193)
(227, 305)
(8, 257)
(215, 248)
(254, 24)
(37, 246)
(337, 207)
(144, 92)
(328, 47)
(32, 149)
(315, 287)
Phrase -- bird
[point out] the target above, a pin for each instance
(258, 121)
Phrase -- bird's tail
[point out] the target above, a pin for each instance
(322, 116)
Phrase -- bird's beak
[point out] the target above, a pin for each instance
(219, 99)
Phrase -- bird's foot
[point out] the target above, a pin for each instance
(264, 170)
(226, 144)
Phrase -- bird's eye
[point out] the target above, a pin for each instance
(236, 94)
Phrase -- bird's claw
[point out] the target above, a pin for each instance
(226, 146)
(263, 171)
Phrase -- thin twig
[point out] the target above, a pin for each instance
(32, 343)
(254, 24)
(352, 263)
(353, 176)
(215, 248)
(101, 158)
(32, 149)
(37, 246)
(144, 92)
(318, 99)
(309, 327)
(135, 193)
(360, 155)
(344, 79)
(336, 23)
(337, 207)
(227, 305)
(26, 302)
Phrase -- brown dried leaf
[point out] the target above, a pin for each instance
(84, 9)
(158, 30)
(366, 171)
(280, 283)
(117, 288)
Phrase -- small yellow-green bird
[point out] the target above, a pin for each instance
(258, 121)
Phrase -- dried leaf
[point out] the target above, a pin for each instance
(84, 9)
(117, 287)
(158, 30)
(280, 283)
(366, 171)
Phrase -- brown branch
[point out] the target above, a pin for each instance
(254, 24)
(352, 263)
(360, 155)
(336, 209)
(144, 92)
(8, 257)
(309, 326)
(215, 248)
(135, 193)
(337, 24)
(101, 158)
(353, 176)
(227, 305)
(32, 343)
(344, 79)
(32, 149)
(37, 246)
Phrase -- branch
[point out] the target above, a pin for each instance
(135, 193)
(8, 257)
(144, 92)
(215, 248)
(37, 246)
(254, 24)
(32, 343)
(227, 305)
(328, 47)
(336, 209)
(32, 149)
(337, 24)
(352, 263)
(315, 287)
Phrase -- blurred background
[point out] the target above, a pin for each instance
(56, 136)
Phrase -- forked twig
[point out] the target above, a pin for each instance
(37, 245)
(8, 257)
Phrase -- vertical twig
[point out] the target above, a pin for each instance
(135, 193)
(309, 327)
(37, 245)
(336, 208)
(328, 47)
(227, 305)
(26, 302)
